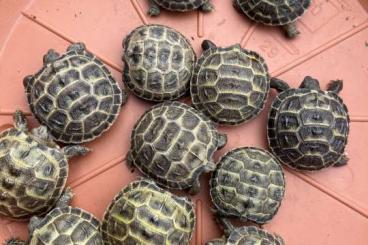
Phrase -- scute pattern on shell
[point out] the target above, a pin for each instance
(172, 143)
(75, 96)
(158, 63)
(32, 175)
(143, 213)
(67, 226)
(230, 85)
(249, 184)
(180, 5)
(272, 12)
(253, 235)
(308, 129)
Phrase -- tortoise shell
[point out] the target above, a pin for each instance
(158, 63)
(248, 184)
(143, 213)
(230, 85)
(273, 12)
(249, 235)
(74, 95)
(173, 144)
(67, 226)
(308, 128)
(33, 174)
(181, 5)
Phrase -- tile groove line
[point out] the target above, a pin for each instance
(313, 53)
(69, 40)
(334, 195)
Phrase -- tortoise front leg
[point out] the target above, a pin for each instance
(219, 241)
(20, 121)
(75, 150)
(342, 161)
(154, 9)
(310, 83)
(65, 198)
(33, 223)
(14, 241)
(335, 86)
(196, 187)
(279, 84)
(291, 30)
(207, 7)
(50, 57)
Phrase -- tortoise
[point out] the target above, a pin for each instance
(158, 63)
(74, 95)
(34, 170)
(179, 6)
(308, 128)
(248, 184)
(244, 235)
(63, 225)
(229, 85)
(143, 213)
(173, 144)
(282, 13)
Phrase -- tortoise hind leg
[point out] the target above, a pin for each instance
(291, 30)
(207, 7)
(20, 121)
(335, 86)
(342, 161)
(14, 241)
(154, 9)
(50, 56)
(279, 84)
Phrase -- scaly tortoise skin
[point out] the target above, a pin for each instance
(173, 144)
(74, 95)
(229, 85)
(34, 170)
(248, 184)
(308, 128)
(158, 63)
(63, 226)
(143, 213)
(250, 235)
(179, 6)
(275, 13)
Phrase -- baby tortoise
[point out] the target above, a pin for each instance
(248, 184)
(64, 225)
(179, 6)
(229, 85)
(145, 214)
(158, 63)
(282, 13)
(308, 128)
(244, 235)
(74, 95)
(173, 144)
(34, 170)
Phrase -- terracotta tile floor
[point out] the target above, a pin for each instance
(325, 208)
